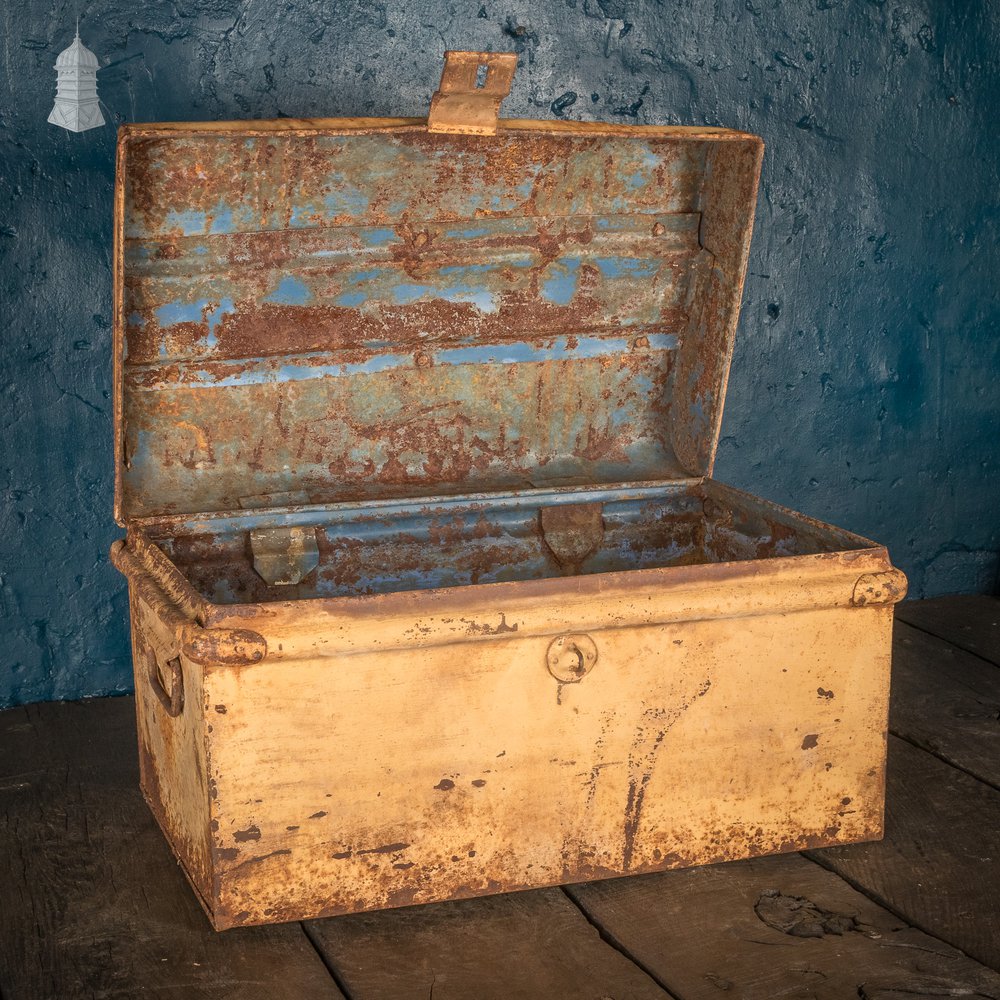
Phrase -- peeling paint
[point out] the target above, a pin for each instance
(869, 252)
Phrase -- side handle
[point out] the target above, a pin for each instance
(167, 680)
(206, 646)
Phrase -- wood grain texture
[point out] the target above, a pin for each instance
(969, 622)
(699, 933)
(91, 902)
(522, 946)
(939, 864)
(947, 701)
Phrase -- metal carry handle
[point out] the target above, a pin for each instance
(167, 681)
(206, 646)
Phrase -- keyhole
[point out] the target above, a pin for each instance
(579, 669)
(482, 70)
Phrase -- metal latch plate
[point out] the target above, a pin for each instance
(283, 556)
(572, 532)
(472, 86)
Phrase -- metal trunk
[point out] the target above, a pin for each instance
(433, 594)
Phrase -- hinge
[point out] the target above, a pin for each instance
(879, 588)
(472, 86)
(572, 531)
(283, 556)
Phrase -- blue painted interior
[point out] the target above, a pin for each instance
(305, 367)
(864, 387)
(379, 511)
(212, 423)
(290, 292)
(388, 547)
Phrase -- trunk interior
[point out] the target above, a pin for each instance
(424, 544)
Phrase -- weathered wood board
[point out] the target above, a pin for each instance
(522, 946)
(939, 864)
(775, 928)
(91, 902)
(970, 622)
(946, 701)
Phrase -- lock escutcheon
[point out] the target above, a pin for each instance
(571, 657)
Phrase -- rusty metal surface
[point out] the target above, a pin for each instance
(423, 546)
(473, 84)
(390, 313)
(678, 745)
(880, 588)
(184, 632)
(390, 739)
(283, 556)
(572, 532)
(414, 433)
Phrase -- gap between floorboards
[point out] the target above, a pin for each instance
(941, 638)
(327, 964)
(612, 942)
(895, 911)
(944, 760)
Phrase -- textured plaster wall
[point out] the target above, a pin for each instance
(864, 386)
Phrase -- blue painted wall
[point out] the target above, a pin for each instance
(864, 386)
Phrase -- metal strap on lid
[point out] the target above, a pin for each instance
(472, 86)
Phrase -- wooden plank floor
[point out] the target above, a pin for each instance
(93, 905)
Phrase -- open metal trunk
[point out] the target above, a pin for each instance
(432, 592)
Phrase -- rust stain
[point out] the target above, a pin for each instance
(657, 722)
(546, 309)
(724, 844)
(384, 849)
(259, 858)
(236, 646)
(810, 741)
(483, 628)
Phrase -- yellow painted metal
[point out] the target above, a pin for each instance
(408, 748)
(323, 754)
